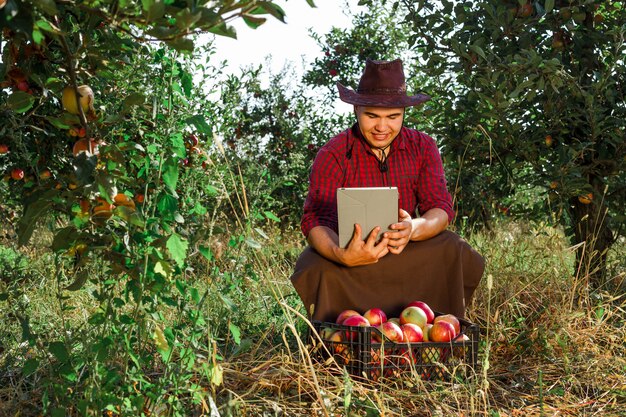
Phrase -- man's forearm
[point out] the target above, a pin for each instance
(326, 242)
(430, 224)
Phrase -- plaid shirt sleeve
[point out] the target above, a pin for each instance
(432, 186)
(320, 206)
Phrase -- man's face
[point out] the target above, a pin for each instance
(379, 125)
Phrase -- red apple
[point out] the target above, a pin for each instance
(450, 318)
(45, 174)
(344, 315)
(375, 316)
(412, 333)
(17, 174)
(413, 315)
(442, 331)
(358, 321)
(391, 331)
(3, 149)
(430, 316)
(337, 342)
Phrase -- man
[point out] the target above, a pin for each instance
(419, 259)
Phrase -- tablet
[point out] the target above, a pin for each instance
(367, 206)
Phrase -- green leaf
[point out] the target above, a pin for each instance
(164, 268)
(81, 277)
(133, 99)
(58, 123)
(170, 173)
(177, 247)
(30, 366)
(59, 351)
(271, 216)
(199, 122)
(33, 212)
(20, 101)
(154, 9)
(252, 21)
(181, 44)
(206, 252)
(310, 3)
(267, 7)
(478, 50)
(236, 332)
(38, 37)
(223, 29)
(47, 6)
(167, 205)
(549, 5)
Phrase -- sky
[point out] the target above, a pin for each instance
(283, 42)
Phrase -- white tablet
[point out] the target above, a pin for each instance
(367, 206)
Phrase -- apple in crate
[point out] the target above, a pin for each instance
(442, 331)
(426, 332)
(357, 320)
(375, 316)
(345, 314)
(430, 315)
(450, 318)
(413, 315)
(395, 320)
(392, 331)
(412, 333)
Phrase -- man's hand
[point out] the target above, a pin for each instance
(359, 252)
(402, 234)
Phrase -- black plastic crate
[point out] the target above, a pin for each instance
(364, 357)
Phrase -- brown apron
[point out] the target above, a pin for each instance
(443, 272)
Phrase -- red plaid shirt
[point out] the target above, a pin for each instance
(414, 166)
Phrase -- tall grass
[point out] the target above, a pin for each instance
(549, 347)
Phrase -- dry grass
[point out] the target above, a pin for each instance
(549, 348)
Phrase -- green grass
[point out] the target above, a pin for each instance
(549, 346)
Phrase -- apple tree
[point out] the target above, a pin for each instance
(531, 110)
(105, 138)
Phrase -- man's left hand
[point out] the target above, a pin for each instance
(402, 233)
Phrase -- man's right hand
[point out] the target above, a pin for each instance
(358, 252)
(363, 252)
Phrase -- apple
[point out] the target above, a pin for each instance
(391, 331)
(83, 145)
(326, 332)
(122, 199)
(17, 174)
(22, 86)
(395, 320)
(412, 333)
(344, 315)
(68, 99)
(413, 315)
(375, 316)
(430, 315)
(337, 342)
(450, 318)
(3, 149)
(586, 199)
(442, 331)
(45, 174)
(354, 321)
(140, 198)
(426, 332)
(549, 140)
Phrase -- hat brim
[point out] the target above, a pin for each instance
(379, 100)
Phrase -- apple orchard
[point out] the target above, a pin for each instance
(155, 207)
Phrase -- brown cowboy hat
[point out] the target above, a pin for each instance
(382, 85)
